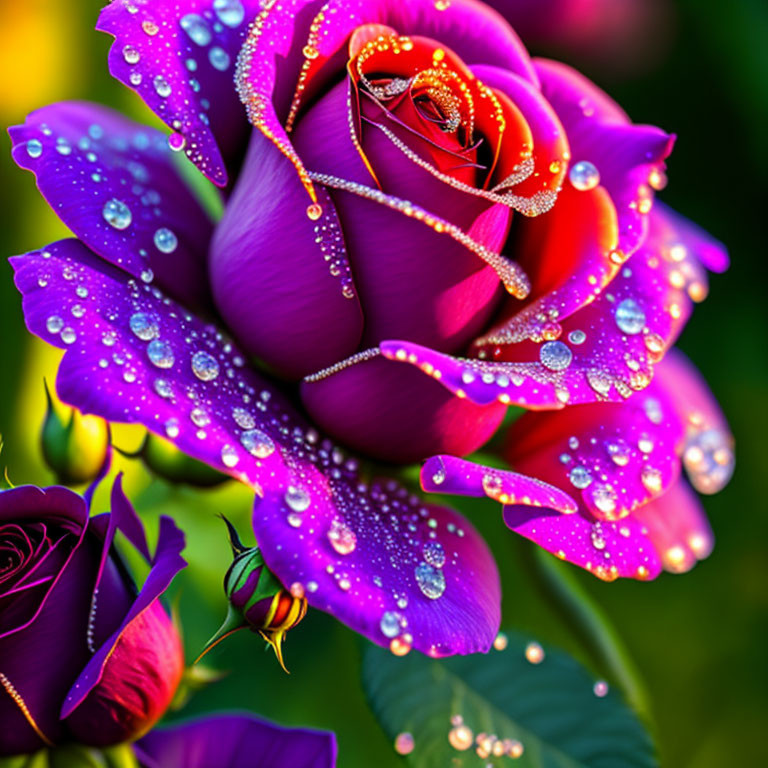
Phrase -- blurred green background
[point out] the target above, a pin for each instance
(699, 639)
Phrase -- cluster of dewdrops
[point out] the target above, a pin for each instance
(488, 745)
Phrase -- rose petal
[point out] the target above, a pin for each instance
(678, 528)
(606, 350)
(543, 513)
(233, 740)
(180, 58)
(626, 155)
(392, 412)
(229, 417)
(281, 281)
(113, 183)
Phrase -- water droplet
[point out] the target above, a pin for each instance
(200, 417)
(135, 78)
(600, 689)
(555, 355)
(630, 317)
(62, 146)
(461, 737)
(229, 456)
(229, 12)
(584, 175)
(258, 443)
(534, 653)
(577, 337)
(618, 450)
(165, 240)
(438, 476)
(708, 459)
(399, 646)
(243, 418)
(143, 326)
(342, 537)
(430, 580)
(434, 554)
(68, 336)
(205, 366)
(604, 498)
(163, 388)
(172, 428)
(651, 478)
(197, 28)
(161, 86)
(297, 499)
(219, 58)
(501, 641)
(54, 324)
(117, 214)
(131, 55)
(315, 211)
(160, 353)
(580, 477)
(34, 148)
(404, 743)
(391, 624)
(150, 27)
(176, 142)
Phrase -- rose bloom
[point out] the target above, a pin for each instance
(422, 226)
(84, 656)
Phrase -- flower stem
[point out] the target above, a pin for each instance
(583, 616)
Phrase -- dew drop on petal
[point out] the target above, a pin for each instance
(197, 28)
(163, 388)
(604, 498)
(131, 55)
(584, 175)
(434, 554)
(161, 87)
(431, 581)
(257, 443)
(54, 324)
(577, 337)
(219, 58)
(165, 240)
(580, 477)
(229, 12)
(34, 148)
(172, 428)
(160, 353)
(630, 317)
(143, 326)
(342, 537)
(391, 624)
(117, 214)
(176, 142)
(229, 456)
(205, 366)
(297, 499)
(555, 355)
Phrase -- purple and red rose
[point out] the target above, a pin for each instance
(84, 655)
(422, 227)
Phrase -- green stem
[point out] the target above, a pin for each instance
(582, 615)
(121, 756)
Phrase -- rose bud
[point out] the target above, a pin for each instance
(256, 599)
(74, 445)
(84, 656)
(168, 462)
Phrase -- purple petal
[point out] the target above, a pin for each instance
(180, 58)
(393, 412)
(447, 474)
(113, 183)
(235, 740)
(221, 413)
(166, 563)
(605, 351)
(307, 315)
(599, 132)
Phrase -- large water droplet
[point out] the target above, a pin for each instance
(297, 499)
(160, 353)
(131, 55)
(205, 366)
(630, 317)
(165, 240)
(229, 12)
(117, 214)
(555, 355)
(342, 537)
(431, 581)
(197, 28)
(54, 324)
(391, 624)
(34, 148)
(161, 86)
(580, 477)
(143, 326)
(584, 175)
(258, 443)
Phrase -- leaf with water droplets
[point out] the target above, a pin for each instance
(521, 702)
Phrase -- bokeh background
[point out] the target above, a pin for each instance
(695, 67)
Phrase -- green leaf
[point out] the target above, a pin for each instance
(549, 707)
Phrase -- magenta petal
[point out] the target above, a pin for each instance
(617, 457)
(180, 58)
(281, 281)
(601, 133)
(113, 183)
(234, 741)
(179, 377)
(448, 474)
(542, 513)
(678, 528)
(390, 411)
